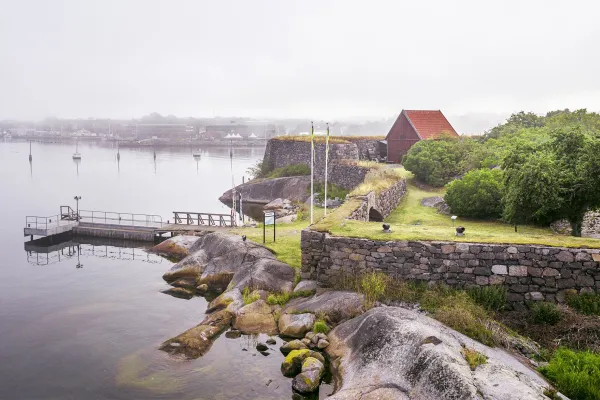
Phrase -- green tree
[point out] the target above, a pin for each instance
(559, 179)
(437, 162)
(478, 194)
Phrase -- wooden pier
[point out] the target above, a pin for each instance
(128, 226)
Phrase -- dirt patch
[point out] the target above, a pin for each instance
(574, 330)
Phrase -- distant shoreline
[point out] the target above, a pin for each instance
(158, 143)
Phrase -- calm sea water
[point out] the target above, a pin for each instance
(93, 332)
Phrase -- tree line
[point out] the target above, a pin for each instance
(529, 170)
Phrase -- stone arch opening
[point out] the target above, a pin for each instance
(375, 216)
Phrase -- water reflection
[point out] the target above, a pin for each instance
(65, 246)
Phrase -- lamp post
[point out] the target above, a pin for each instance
(77, 198)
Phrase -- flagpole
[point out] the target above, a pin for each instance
(326, 157)
(312, 161)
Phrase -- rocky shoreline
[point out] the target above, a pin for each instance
(381, 353)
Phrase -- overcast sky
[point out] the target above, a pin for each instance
(309, 59)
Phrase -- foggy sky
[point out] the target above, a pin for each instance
(313, 59)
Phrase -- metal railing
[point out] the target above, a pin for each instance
(36, 222)
(115, 218)
(66, 212)
(194, 218)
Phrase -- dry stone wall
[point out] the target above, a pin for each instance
(384, 203)
(528, 272)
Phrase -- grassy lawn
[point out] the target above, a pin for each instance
(287, 240)
(412, 221)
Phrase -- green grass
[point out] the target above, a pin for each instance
(412, 221)
(474, 358)
(290, 170)
(378, 180)
(453, 308)
(320, 327)
(249, 296)
(545, 313)
(282, 298)
(575, 373)
(333, 191)
(492, 298)
(586, 303)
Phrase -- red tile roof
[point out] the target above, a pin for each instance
(429, 124)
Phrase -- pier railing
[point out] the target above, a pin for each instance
(36, 222)
(116, 218)
(194, 218)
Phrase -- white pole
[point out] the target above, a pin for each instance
(312, 160)
(326, 157)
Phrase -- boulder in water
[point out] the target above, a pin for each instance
(294, 188)
(309, 379)
(179, 292)
(256, 317)
(176, 247)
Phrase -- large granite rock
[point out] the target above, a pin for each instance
(256, 317)
(294, 188)
(231, 300)
(395, 353)
(295, 325)
(215, 258)
(176, 247)
(264, 274)
(337, 306)
(306, 286)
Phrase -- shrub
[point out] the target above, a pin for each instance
(492, 298)
(320, 327)
(545, 313)
(474, 358)
(373, 286)
(289, 170)
(437, 162)
(478, 194)
(586, 303)
(259, 170)
(333, 191)
(575, 373)
(249, 296)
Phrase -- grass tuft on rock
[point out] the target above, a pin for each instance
(575, 373)
(249, 296)
(474, 358)
(320, 327)
(282, 298)
(373, 286)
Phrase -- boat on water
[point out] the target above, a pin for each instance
(76, 155)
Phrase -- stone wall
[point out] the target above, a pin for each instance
(590, 226)
(368, 149)
(384, 203)
(342, 168)
(527, 272)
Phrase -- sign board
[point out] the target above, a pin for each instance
(269, 218)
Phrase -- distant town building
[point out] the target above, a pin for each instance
(259, 129)
(412, 126)
(164, 131)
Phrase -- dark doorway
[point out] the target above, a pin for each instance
(375, 216)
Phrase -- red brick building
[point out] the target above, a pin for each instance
(412, 126)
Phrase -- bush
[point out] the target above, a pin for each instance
(575, 373)
(259, 170)
(586, 303)
(492, 298)
(289, 170)
(478, 194)
(333, 191)
(437, 162)
(320, 327)
(545, 313)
